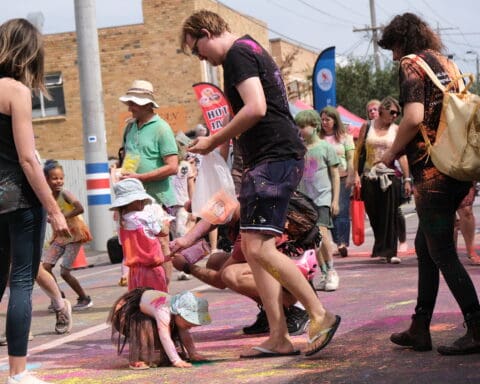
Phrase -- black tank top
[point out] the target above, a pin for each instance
(15, 191)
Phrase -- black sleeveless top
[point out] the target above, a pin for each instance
(15, 191)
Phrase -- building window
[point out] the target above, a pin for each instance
(41, 106)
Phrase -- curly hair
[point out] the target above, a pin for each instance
(50, 165)
(338, 126)
(202, 19)
(411, 34)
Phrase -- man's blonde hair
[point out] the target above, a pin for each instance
(202, 19)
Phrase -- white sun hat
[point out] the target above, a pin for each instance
(127, 191)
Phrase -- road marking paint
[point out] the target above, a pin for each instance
(72, 337)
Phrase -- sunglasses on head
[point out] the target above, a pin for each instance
(394, 113)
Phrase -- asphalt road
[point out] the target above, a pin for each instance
(374, 300)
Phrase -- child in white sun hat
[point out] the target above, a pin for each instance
(139, 316)
(140, 224)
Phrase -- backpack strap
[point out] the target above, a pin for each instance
(125, 132)
(426, 68)
(121, 150)
(429, 72)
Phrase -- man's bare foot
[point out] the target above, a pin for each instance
(273, 346)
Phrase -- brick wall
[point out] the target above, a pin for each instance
(147, 51)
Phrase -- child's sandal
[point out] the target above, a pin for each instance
(138, 365)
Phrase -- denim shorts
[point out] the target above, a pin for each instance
(265, 192)
(324, 217)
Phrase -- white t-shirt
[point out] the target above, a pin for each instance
(180, 182)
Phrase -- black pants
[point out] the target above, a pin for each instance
(436, 203)
(382, 210)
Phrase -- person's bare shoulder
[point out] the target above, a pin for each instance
(12, 91)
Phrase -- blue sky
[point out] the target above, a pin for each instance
(313, 23)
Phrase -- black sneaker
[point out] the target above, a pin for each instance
(83, 303)
(297, 320)
(259, 326)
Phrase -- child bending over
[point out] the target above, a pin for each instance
(153, 323)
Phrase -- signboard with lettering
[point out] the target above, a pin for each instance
(215, 107)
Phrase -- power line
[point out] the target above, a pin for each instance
(461, 33)
(325, 13)
(436, 14)
(287, 38)
(349, 9)
(291, 11)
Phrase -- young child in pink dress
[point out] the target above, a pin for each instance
(154, 324)
(139, 229)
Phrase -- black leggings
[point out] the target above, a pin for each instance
(435, 246)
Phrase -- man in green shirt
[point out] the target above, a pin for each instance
(151, 138)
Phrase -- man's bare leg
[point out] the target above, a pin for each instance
(272, 270)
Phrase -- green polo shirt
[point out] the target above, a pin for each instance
(154, 141)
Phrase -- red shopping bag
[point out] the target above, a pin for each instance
(357, 211)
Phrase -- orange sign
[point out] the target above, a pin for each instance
(176, 117)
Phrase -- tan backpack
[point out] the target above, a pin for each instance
(456, 150)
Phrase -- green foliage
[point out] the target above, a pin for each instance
(475, 88)
(358, 82)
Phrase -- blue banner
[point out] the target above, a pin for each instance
(324, 80)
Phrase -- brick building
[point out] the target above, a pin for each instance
(149, 51)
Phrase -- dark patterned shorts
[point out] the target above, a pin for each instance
(265, 192)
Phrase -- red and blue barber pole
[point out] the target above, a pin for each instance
(98, 184)
(100, 219)
(99, 201)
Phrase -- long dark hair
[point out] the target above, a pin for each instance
(130, 324)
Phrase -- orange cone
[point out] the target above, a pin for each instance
(80, 261)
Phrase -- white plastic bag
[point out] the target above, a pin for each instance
(214, 196)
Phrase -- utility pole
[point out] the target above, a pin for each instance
(93, 118)
(477, 65)
(374, 29)
(373, 20)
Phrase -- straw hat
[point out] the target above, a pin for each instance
(140, 93)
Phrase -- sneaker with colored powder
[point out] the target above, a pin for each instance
(64, 318)
(83, 303)
(332, 280)
(25, 378)
(319, 281)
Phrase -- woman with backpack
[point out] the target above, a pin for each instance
(437, 196)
